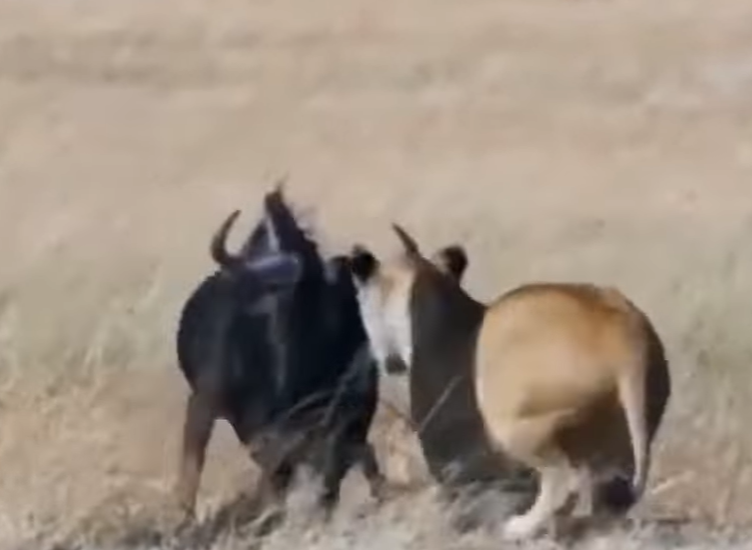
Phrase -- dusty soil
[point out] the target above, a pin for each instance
(606, 141)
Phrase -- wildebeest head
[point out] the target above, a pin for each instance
(385, 291)
(262, 268)
(277, 231)
(271, 273)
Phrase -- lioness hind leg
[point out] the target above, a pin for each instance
(555, 487)
(585, 490)
(531, 440)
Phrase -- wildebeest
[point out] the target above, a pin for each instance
(283, 361)
(571, 379)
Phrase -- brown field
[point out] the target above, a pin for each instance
(608, 141)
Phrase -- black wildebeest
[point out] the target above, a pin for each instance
(571, 379)
(287, 365)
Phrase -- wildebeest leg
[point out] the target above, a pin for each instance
(338, 459)
(280, 478)
(271, 491)
(199, 422)
(274, 483)
(371, 471)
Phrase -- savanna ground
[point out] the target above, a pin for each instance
(607, 141)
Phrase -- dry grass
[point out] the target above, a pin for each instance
(607, 141)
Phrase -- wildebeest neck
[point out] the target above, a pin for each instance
(445, 321)
(296, 312)
(317, 327)
(291, 237)
(443, 315)
(445, 324)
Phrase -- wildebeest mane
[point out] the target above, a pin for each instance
(310, 306)
(292, 236)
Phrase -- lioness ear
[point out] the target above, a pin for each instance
(451, 260)
(363, 264)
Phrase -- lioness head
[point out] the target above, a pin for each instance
(384, 290)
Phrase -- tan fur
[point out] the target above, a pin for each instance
(552, 363)
(554, 350)
(561, 377)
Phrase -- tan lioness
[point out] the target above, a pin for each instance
(571, 379)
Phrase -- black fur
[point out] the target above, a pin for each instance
(285, 367)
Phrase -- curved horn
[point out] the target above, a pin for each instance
(411, 247)
(219, 242)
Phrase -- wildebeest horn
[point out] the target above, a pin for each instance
(411, 247)
(219, 241)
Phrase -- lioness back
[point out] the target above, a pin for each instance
(555, 347)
